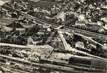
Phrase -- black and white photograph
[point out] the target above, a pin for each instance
(53, 36)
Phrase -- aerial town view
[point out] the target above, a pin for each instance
(53, 36)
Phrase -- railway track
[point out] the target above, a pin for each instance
(24, 65)
(52, 66)
(88, 33)
(76, 29)
(42, 65)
